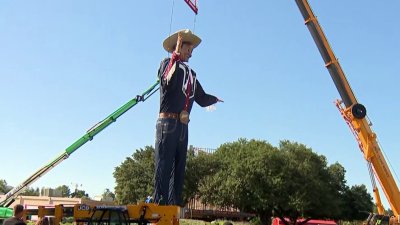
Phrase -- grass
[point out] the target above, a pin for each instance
(193, 222)
(217, 222)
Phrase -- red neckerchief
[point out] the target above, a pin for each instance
(174, 58)
(188, 89)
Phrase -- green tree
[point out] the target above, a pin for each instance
(198, 167)
(307, 189)
(108, 195)
(64, 190)
(243, 179)
(31, 192)
(358, 203)
(4, 188)
(337, 173)
(134, 177)
(289, 181)
(338, 184)
(80, 194)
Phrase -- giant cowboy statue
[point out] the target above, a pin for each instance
(179, 89)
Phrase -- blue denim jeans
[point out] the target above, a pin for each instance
(170, 161)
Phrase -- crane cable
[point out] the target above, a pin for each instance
(388, 160)
(172, 15)
(171, 19)
(371, 174)
(194, 23)
(392, 169)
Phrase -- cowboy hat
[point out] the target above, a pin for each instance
(187, 36)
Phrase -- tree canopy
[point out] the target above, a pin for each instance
(64, 190)
(255, 177)
(4, 188)
(108, 195)
(30, 191)
(198, 167)
(134, 177)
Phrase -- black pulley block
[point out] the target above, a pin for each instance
(359, 111)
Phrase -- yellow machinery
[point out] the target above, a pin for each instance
(355, 116)
(142, 214)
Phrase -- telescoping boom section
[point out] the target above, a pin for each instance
(13, 193)
(353, 112)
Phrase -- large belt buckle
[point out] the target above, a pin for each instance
(184, 117)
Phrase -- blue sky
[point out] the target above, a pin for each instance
(65, 65)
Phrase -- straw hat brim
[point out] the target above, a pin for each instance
(187, 36)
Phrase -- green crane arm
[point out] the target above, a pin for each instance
(13, 193)
(353, 112)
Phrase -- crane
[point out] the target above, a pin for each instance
(354, 114)
(10, 197)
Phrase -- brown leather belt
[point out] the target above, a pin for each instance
(169, 115)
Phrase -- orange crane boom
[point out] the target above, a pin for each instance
(353, 112)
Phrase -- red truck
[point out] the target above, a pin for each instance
(277, 221)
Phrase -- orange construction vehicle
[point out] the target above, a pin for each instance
(354, 114)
